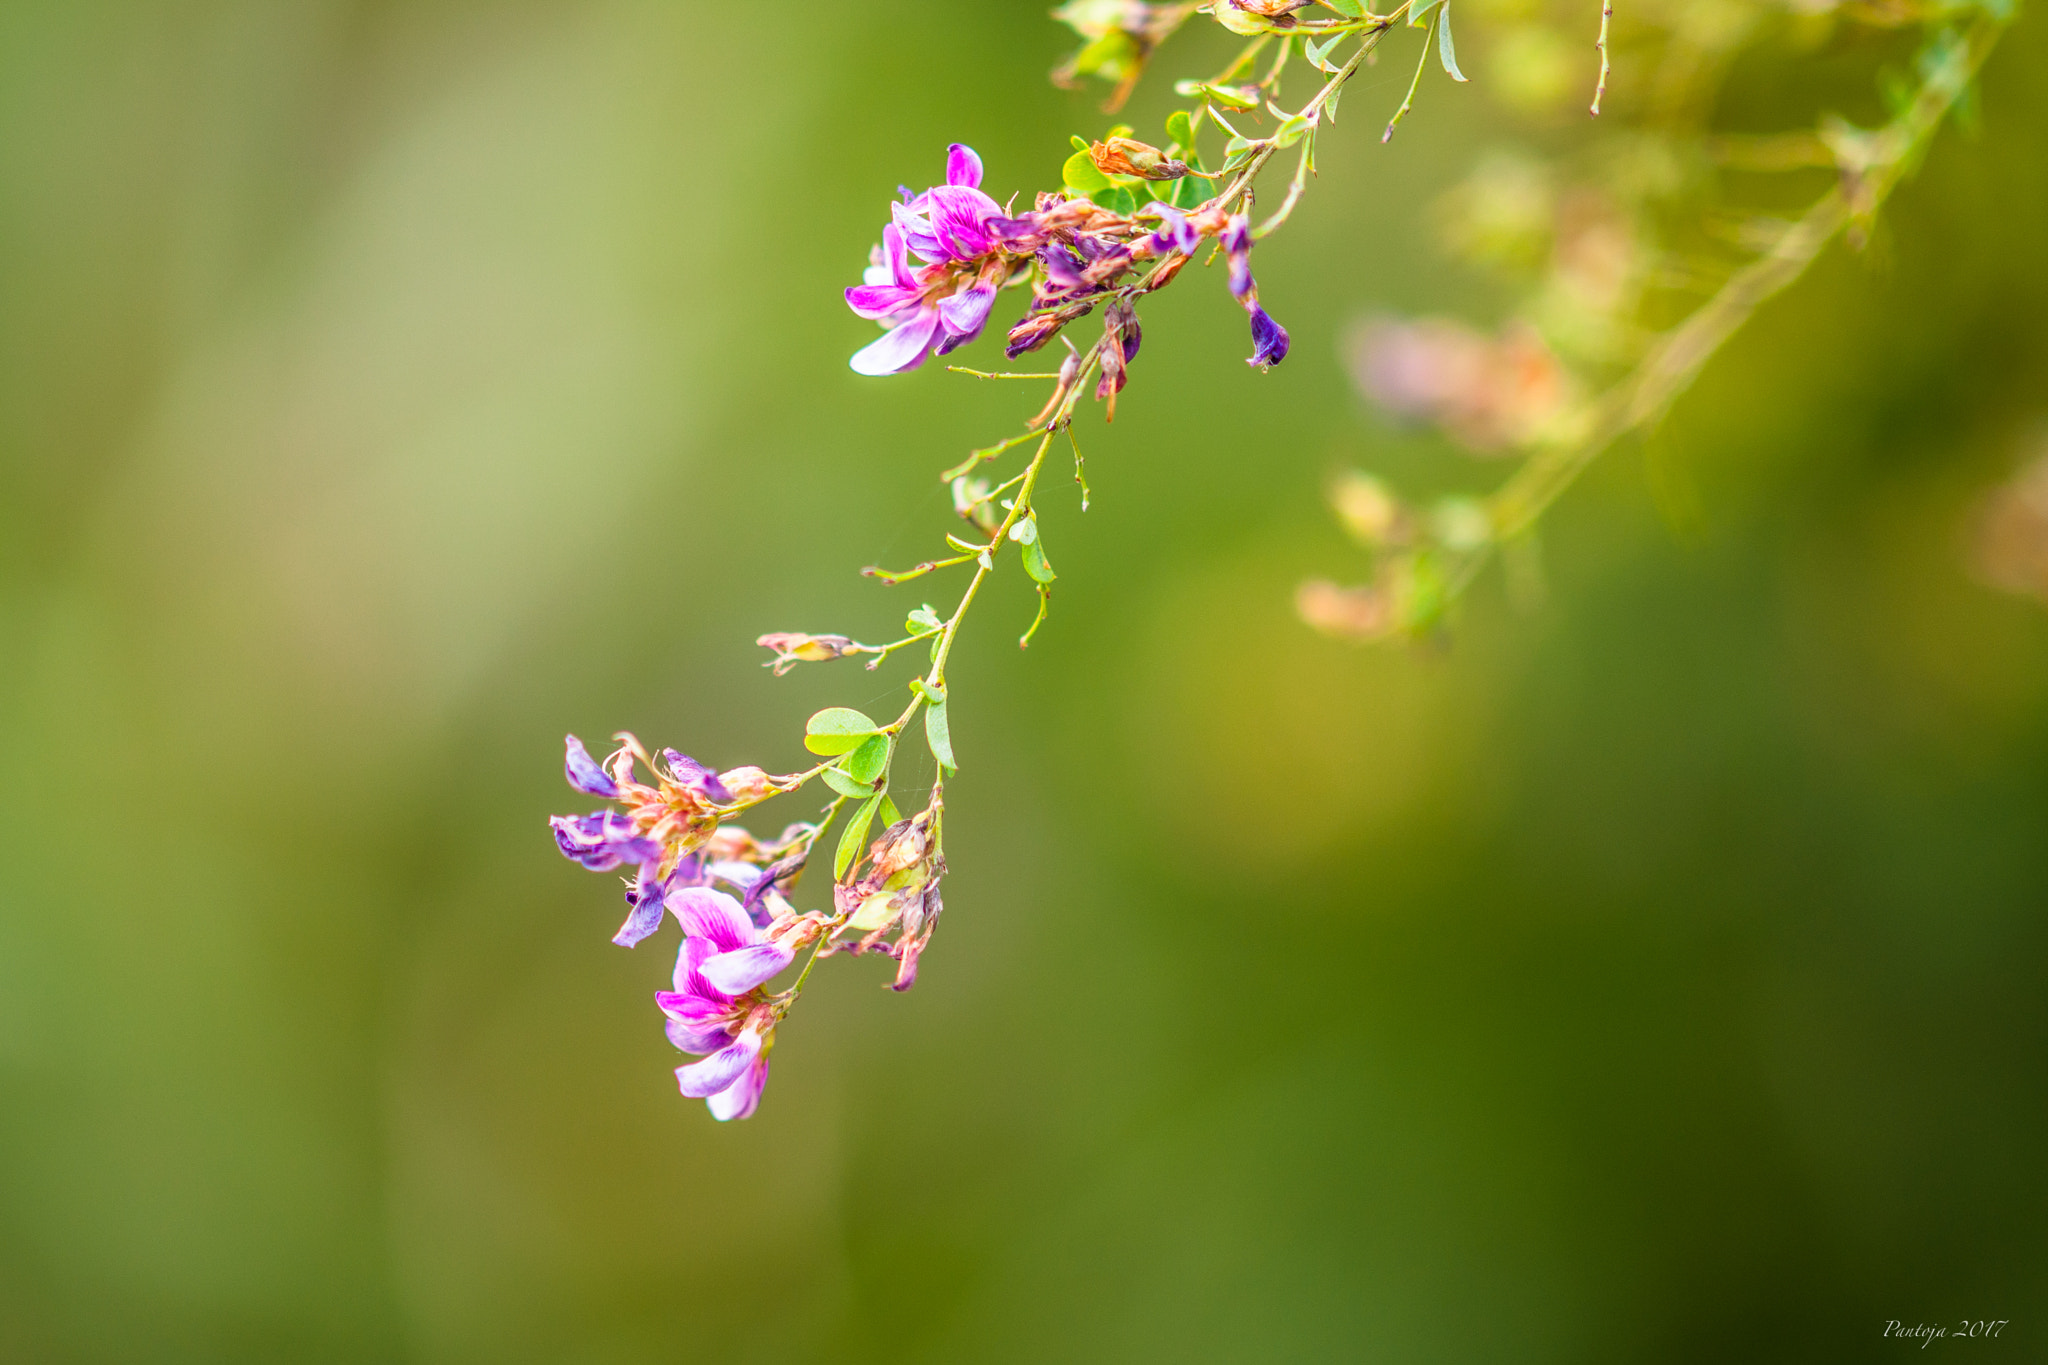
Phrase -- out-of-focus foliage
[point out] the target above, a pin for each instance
(387, 388)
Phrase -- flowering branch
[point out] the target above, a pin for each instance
(1125, 222)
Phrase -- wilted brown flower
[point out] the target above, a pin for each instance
(1128, 156)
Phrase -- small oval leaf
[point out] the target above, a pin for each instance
(844, 785)
(869, 761)
(854, 837)
(938, 732)
(1036, 564)
(837, 730)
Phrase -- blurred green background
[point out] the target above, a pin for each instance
(387, 388)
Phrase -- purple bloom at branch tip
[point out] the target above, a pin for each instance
(1269, 338)
(930, 309)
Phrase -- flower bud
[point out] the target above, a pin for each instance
(1128, 156)
(730, 843)
(747, 785)
(792, 648)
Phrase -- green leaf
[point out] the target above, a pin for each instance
(1290, 131)
(1236, 145)
(938, 732)
(1189, 193)
(1081, 144)
(1350, 9)
(1035, 563)
(1117, 199)
(1082, 176)
(1319, 57)
(1445, 49)
(923, 619)
(869, 761)
(855, 836)
(887, 814)
(844, 785)
(1181, 128)
(837, 729)
(1420, 16)
(1228, 96)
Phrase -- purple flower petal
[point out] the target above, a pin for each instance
(1178, 233)
(699, 1080)
(645, 916)
(738, 1100)
(733, 872)
(736, 973)
(695, 1039)
(916, 235)
(688, 772)
(966, 313)
(713, 917)
(602, 841)
(902, 349)
(1269, 339)
(1059, 265)
(963, 167)
(583, 772)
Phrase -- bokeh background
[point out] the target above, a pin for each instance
(386, 388)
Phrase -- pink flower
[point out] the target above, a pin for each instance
(955, 230)
(717, 1010)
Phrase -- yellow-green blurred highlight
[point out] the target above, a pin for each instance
(387, 388)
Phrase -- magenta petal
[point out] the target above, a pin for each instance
(895, 253)
(902, 349)
(713, 917)
(697, 1014)
(877, 301)
(963, 167)
(737, 973)
(738, 1100)
(960, 218)
(702, 1079)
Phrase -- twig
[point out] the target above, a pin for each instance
(1600, 90)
